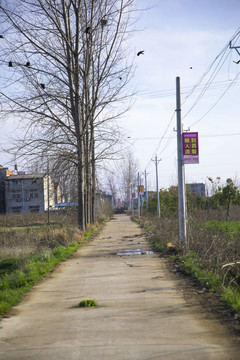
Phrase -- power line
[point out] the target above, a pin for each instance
(216, 102)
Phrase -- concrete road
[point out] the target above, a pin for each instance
(141, 315)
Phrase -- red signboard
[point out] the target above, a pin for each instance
(190, 148)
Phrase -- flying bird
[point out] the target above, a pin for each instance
(237, 62)
(190, 68)
(140, 53)
(88, 30)
(10, 64)
(103, 22)
(1, 37)
(27, 64)
(42, 86)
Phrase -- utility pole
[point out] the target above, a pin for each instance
(181, 172)
(141, 198)
(156, 161)
(138, 202)
(48, 193)
(146, 191)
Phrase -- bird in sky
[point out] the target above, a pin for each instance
(10, 64)
(88, 29)
(42, 86)
(140, 53)
(237, 62)
(27, 64)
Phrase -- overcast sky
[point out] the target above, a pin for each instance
(187, 38)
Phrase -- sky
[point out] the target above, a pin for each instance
(186, 39)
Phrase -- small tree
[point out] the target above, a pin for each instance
(229, 195)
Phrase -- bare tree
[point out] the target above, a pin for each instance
(128, 169)
(67, 71)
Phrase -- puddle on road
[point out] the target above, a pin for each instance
(130, 252)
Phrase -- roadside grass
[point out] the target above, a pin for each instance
(212, 246)
(231, 228)
(39, 256)
(88, 303)
(213, 281)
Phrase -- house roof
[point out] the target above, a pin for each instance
(25, 177)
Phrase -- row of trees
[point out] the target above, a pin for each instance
(66, 75)
(222, 197)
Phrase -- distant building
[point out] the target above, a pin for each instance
(29, 193)
(198, 188)
(21, 193)
(4, 173)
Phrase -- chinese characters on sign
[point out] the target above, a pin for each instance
(141, 189)
(190, 148)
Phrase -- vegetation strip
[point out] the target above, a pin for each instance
(18, 275)
(215, 279)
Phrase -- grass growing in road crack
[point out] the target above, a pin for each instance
(88, 303)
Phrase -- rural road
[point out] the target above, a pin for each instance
(140, 314)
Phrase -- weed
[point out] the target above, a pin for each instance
(231, 298)
(88, 303)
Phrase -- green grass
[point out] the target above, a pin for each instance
(232, 228)
(88, 303)
(15, 282)
(212, 280)
(17, 276)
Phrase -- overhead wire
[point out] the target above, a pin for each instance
(221, 59)
(216, 102)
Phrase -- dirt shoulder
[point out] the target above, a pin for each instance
(206, 302)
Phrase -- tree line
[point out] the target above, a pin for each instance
(67, 68)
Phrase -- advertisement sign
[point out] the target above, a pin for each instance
(134, 195)
(141, 189)
(190, 148)
(119, 203)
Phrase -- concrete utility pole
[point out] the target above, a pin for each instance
(146, 191)
(138, 202)
(156, 161)
(181, 172)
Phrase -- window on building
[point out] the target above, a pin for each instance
(34, 194)
(16, 209)
(16, 196)
(34, 209)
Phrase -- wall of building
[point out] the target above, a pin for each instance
(28, 193)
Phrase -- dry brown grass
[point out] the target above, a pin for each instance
(215, 247)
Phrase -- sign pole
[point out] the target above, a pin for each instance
(181, 172)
